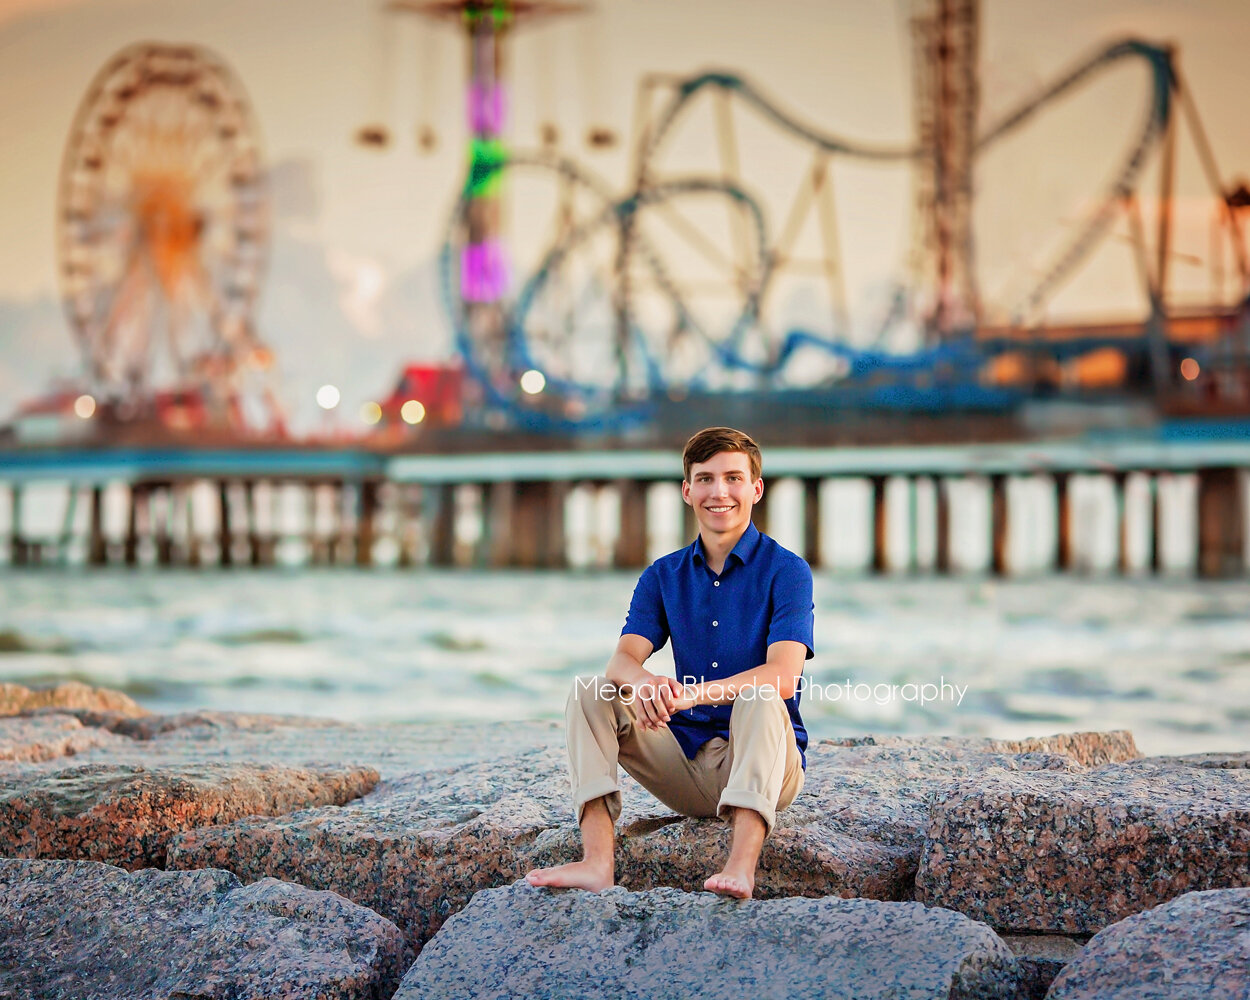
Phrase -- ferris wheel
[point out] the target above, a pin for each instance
(162, 230)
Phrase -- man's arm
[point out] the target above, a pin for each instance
(654, 695)
(781, 672)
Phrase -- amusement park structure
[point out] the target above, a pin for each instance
(667, 293)
(162, 229)
(611, 324)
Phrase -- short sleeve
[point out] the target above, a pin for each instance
(646, 610)
(793, 613)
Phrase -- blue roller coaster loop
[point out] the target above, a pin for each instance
(611, 410)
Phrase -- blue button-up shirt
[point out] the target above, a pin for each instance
(723, 625)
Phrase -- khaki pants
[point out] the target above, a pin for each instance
(758, 767)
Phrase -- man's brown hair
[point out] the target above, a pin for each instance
(711, 441)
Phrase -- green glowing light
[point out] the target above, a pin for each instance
(486, 162)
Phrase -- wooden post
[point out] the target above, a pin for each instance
(407, 508)
(161, 528)
(67, 525)
(942, 525)
(442, 521)
(999, 525)
(1063, 530)
(1156, 524)
(1119, 484)
(193, 539)
(224, 535)
(1221, 523)
(315, 554)
(131, 548)
(499, 524)
(631, 540)
(913, 542)
(811, 522)
(527, 525)
(97, 550)
(538, 525)
(253, 535)
(557, 548)
(880, 529)
(18, 554)
(364, 522)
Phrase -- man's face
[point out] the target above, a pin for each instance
(721, 492)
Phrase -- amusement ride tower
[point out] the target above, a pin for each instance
(483, 258)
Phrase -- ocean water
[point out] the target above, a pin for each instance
(1167, 658)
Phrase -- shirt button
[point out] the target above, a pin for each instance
(714, 624)
(715, 583)
(715, 664)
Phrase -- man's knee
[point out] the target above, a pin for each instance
(754, 704)
(590, 690)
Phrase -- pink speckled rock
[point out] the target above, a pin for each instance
(1196, 947)
(414, 850)
(418, 847)
(521, 943)
(1087, 748)
(1041, 957)
(393, 749)
(1072, 853)
(125, 814)
(81, 929)
(47, 737)
(15, 699)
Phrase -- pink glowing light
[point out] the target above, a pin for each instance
(487, 107)
(483, 272)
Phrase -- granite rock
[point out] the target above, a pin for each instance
(418, 847)
(1086, 748)
(1233, 760)
(1041, 957)
(392, 748)
(50, 736)
(125, 814)
(16, 699)
(415, 849)
(856, 829)
(83, 929)
(1195, 947)
(521, 942)
(1074, 852)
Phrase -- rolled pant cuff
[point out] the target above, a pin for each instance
(742, 799)
(597, 788)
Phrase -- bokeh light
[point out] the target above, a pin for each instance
(328, 397)
(533, 382)
(413, 411)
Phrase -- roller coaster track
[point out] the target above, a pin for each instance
(727, 350)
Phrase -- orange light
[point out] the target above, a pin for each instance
(1189, 369)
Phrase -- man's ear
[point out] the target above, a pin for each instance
(685, 493)
(759, 491)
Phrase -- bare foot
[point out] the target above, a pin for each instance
(577, 875)
(731, 883)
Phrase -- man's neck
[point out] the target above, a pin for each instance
(716, 548)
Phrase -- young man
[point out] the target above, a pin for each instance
(727, 739)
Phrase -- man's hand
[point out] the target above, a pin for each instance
(656, 698)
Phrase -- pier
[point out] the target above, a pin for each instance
(1161, 502)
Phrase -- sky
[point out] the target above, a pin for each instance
(350, 293)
